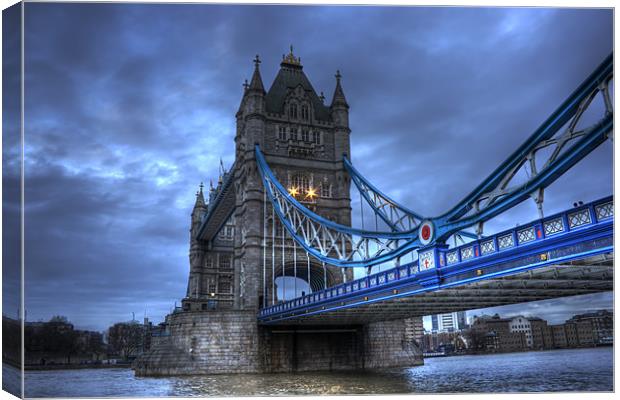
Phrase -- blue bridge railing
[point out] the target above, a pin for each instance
(538, 238)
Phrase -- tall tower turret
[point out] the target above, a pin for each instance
(196, 247)
(251, 113)
(199, 210)
(339, 111)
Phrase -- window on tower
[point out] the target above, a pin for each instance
(305, 135)
(326, 190)
(227, 232)
(225, 261)
(304, 113)
(293, 111)
(300, 182)
(282, 133)
(224, 285)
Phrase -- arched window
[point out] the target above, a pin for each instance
(305, 115)
(293, 110)
(300, 183)
(305, 135)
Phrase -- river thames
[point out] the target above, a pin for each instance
(541, 371)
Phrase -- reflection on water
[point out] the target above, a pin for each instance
(564, 370)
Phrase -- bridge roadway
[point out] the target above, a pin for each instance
(567, 254)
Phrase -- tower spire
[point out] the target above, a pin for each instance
(257, 82)
(339, 99)
(200, 200)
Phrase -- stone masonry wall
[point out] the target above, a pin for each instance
(232, 342)
(205, 343)
(386, 345)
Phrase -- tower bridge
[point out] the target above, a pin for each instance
(272, 250)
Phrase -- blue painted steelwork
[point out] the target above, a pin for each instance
(343, 246)
(493, 188)
(555, 239)
(397, 217)
(326, 240)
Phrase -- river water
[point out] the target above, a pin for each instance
(542, 371)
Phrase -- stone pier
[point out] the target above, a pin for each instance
(196, 344)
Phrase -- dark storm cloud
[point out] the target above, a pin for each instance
(11, 200)
(130, 106)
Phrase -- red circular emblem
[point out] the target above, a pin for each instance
(426, 232)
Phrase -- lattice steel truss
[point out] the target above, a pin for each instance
(396, 216)
(326, 240)
(555, 147)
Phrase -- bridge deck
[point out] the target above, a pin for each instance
(591, 275)
(564, 256)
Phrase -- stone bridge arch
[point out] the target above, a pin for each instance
(319, 278)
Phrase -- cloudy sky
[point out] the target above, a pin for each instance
(129, 107)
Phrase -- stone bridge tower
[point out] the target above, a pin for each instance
(303, 140)
(236, 250)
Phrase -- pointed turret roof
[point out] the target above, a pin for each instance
(257, 82)
(290, 76)
(339, 98)
(200, 200)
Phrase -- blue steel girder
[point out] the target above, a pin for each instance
(327, 241)
(571, 235)
(494, 195)
(344, 246)
(398, 217)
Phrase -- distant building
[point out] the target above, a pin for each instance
(496, 334)
(542, 334)
(522, 324)
(451, 322)
(597, 327)
(414, 329)
(559, 336)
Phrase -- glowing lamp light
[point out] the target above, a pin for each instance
(293, 191)
(311, 193)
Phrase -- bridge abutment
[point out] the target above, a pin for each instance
(232, 342)
(202, 342)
